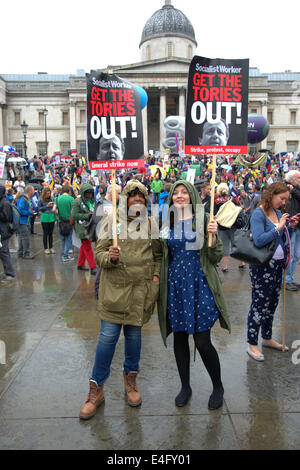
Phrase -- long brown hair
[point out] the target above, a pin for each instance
(272, 190)
(44, 193)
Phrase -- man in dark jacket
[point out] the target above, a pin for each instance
(6, 219)
(292, 179)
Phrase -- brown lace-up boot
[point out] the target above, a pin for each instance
(94, 399)
(133, 395)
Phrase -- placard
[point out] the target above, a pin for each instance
(217, 107)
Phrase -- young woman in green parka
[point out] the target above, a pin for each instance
(128, 292)
(191, 297)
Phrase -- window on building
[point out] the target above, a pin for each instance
(148, 52)
(41, 118)
(253, 111)
(170, 49)
(271, 146)
(82, 116)
(19, 146)
(65, 118)
(252, 149)
(17, 118)
(65, 148)
(270, 117)
(293, 115)
(190, 52)
(292, 146)
(82, 148)
(41, 148)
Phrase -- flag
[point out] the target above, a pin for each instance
(52, 180)
(75, 184)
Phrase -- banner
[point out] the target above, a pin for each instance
(2, 163)
(114, 123)
(244, 162)
(217, 107)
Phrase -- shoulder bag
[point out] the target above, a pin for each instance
(244, 249)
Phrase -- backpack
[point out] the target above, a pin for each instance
(14, 226)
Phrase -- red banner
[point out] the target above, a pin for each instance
(116, 164)
(222, 149)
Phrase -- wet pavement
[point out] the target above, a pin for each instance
(50, 327)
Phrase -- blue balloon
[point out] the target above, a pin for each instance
(143, 96)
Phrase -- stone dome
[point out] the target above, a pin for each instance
(168, 21)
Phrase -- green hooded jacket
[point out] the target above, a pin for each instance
(81, 212)
(209, 258)
(127, 292)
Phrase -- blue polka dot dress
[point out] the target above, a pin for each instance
(191, 305)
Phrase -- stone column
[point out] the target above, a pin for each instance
(1, 126)
(72, 111)
(182, 100)
(145, 130)
(264, 112)
(162, 116)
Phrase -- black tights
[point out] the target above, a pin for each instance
(48, 228)
(207, 352)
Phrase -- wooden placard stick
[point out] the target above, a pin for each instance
(114, 203)
(212, 197)
(283, 314)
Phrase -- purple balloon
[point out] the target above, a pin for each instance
(258, 128)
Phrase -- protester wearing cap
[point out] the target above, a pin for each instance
(128, 292)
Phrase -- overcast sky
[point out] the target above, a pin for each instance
(61, 36)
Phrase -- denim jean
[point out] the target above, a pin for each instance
(109, 335)
(155, 198)
(66, 243)
(295, 255)
(24, 240)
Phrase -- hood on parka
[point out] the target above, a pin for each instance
(85, 187)
(132, 185)
(198, 208)
(194, 195)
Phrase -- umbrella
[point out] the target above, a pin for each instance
(226, 167)
(154, 169)
(35, 179)
(16, 160)
(7, 148)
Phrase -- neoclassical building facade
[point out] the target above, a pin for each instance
(54, 106)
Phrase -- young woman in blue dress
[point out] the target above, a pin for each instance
(191, 297)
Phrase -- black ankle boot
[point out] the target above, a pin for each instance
(183, 397)
(216, 398)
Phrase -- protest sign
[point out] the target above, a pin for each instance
(191, 173)
(2, 163)
(217, 107)
(114, 123)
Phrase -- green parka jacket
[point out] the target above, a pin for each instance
(127, 293)
(81, 212)
(209, 258)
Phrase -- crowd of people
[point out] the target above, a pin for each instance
(176, 269)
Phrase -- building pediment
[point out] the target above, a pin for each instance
(167, 65)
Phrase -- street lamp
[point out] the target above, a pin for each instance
(45, 111)
(24, 127)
